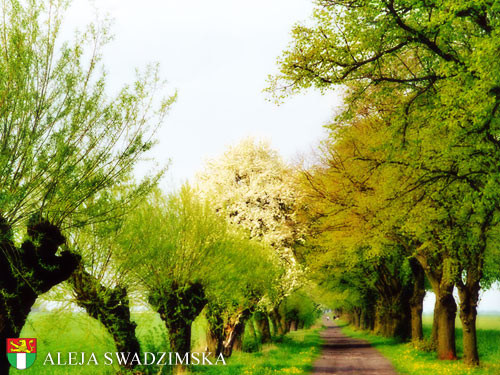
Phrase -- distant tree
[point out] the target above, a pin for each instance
(230, 308)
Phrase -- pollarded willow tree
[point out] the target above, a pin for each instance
(442, 60)
(230, 307)
(102, 283)
(184, 255)
(63, 144)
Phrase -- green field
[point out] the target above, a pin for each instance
(411, 361)
(75, 332)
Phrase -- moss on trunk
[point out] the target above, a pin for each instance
(110, 306)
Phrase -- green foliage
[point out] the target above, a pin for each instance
(437, 98)
(181, 238)
(300, 307)
(64, 141)
(425, 75)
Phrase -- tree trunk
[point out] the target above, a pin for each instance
(288, 325)
(435, 323)
(26, 273)
(233, 331)
(445, 309)
(293, 325)
(367, 319)
(357, 317)
(109, 306)
(178, 306)
(238, 340)
(275, 323)
(469, 296)
(393, 317)
(446, 314)
(262, 322)
(250, 329)
(417, 300)
(215, 328)
(284, 323)
(214, 343)
(417, 333)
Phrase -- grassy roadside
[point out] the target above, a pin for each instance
(76, 332)
(294, 354)
(410, 361)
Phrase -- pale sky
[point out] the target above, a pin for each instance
(217, 54)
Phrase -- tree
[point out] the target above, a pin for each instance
(251, 185)
(100, 284)
(228, 310)
(184, 255)
(348, 207)
(28, 271)
(441, 59)
(63, 143)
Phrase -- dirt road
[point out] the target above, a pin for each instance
(343, 355)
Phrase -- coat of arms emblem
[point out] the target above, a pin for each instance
(21, 352)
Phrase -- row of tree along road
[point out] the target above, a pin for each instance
(401, 197)
(73, 217)
(406, 188)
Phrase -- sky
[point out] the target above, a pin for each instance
(217, 54)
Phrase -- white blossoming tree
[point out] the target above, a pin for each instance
(253, 187)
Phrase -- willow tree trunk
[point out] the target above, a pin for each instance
(262, 323)
(238, 340)
(214, 343)
(250, 329)
(178, 306)
(469, 296)
(26, 273)
(110, 307)
(275, 323)
(280, 317)
(215, 328)
(278, 322)
(233, 331)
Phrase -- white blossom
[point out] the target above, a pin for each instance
(252, 186)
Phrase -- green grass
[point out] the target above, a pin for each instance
(294, 354)
(410, 361)
(76, 332)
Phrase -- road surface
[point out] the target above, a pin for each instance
(342, 355)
